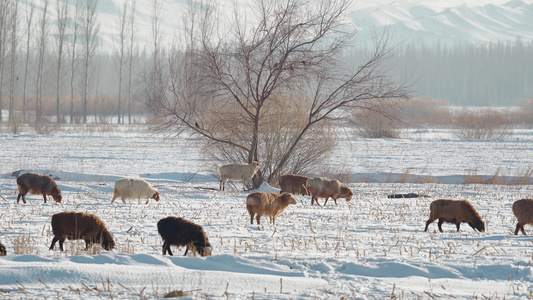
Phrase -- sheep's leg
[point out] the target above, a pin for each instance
(335, 199)
(147, 200)
(166, 248)
(327, 198)
(23, 197)
(441, 220)
(114, 197)
(44, 197)
(258, 218)
(273, 220)
(186, 250)
(54, 240)
(252, 219)
(458, 225)
(61, 241)
(123, 200)
(88, 244)
(429, 221)
(519, 227)
(222, 184)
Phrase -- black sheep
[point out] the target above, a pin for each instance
(180, 232)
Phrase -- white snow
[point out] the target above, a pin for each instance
(369, 248)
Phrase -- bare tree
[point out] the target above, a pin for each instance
(42, 43)
(131, 54)
(62, 23)
(89, 34)
(236, 72)
(14, 19)
(4, 24)
(29, 19)
(123, 32)
(74, 55)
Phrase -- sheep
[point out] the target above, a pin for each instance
(294, 184)
(181, 232)
(3, 251)
(523, 211)
(268, 204)
(37, 184)
(321, 187)
(237, 172)
(80, 226)
(134, 188)
(454, 211)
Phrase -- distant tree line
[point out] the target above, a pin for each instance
(52, 64)
(494, 74)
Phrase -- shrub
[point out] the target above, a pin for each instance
(482, 125)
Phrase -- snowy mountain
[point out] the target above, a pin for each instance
(411, 21)
(449, 22)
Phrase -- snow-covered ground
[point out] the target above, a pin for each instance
(369, 248)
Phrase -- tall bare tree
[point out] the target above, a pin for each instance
(289, 53)
(74, 34)
(90, 41)
(29, 18)
(131, 54)
(42, 44)
(123, 28)
(62, 23)
(4, 24)
(14, 42)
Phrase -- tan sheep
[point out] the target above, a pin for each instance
(268, 204)
(237, 172)
(321, 187)
(80, 226)
(454, 211)
(523, 211)
(294, 184)
(134, 188)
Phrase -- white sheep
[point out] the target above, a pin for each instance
(132, 188)
(321, 187)
(237, 172)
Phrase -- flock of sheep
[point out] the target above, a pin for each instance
(180, 232)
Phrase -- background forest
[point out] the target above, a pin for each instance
(56, 60)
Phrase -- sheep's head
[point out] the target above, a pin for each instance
(55, 192)
(477, 225)
(2, 250)
(288, 198)
(204, 251)
(107, 241)
(156, 196)
(346, 192)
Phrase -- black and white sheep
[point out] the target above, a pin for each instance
(80, 226)
(133, 188)
(237, 172)
(180, 232)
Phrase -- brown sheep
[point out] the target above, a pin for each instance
(268, 204)
(3, 251)
(454, 211)
(37, 184)
(294, 184)
(321, 187)
(523, 211)
(80, 226)
(181, 232)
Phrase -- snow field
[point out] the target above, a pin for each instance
(369, 248)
